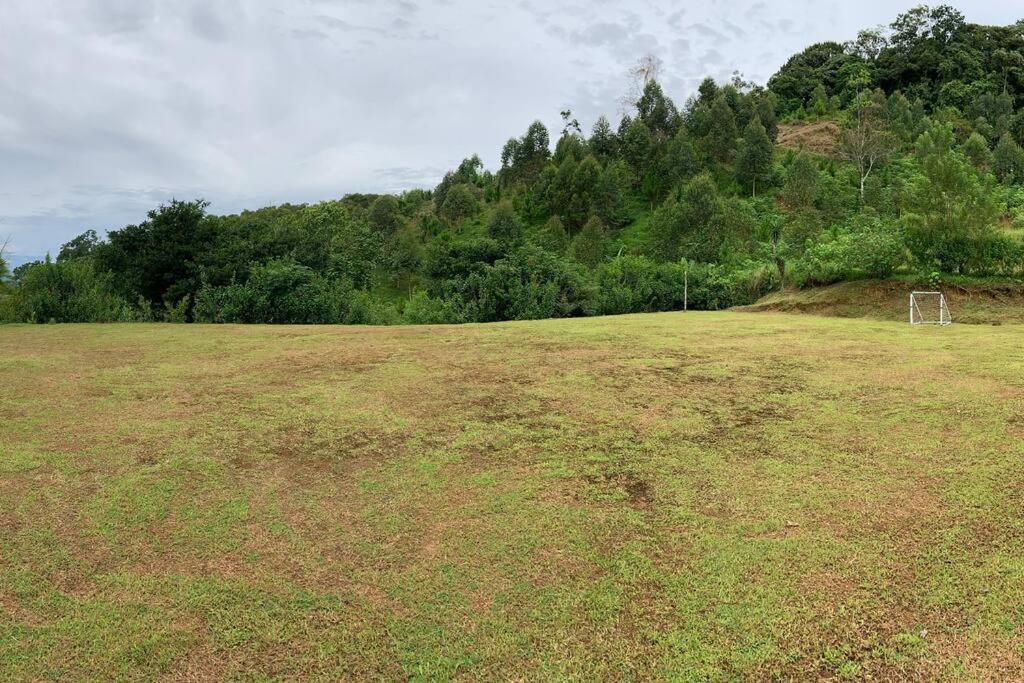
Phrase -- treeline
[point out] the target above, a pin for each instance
(926, 179)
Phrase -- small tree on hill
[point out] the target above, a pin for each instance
(721, 138)
(1008, 160)
(866, 141)
(976, 149)
(603, 143)
(754, 162)
(459, 204)
(553, 236)
(588, 247)
(386, 214)
(504, 225)
(802, 182)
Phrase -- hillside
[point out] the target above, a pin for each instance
(675, 496)
(977, 304)
(897, 154)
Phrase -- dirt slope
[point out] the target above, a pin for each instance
(819, 137)
(887, 300)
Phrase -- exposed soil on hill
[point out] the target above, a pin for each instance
(980, 304)
(819, 137)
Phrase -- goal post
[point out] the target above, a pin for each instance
(929, 308)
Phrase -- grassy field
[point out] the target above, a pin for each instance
(681, 496)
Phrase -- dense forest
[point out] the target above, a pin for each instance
(921, 175)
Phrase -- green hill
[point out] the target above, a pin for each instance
(896, 154)
(971, 303)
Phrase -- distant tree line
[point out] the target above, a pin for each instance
(926, 178)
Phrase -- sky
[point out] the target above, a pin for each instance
(110, 107)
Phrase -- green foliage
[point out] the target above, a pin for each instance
(636, 146)
(976, 149)
(528, 284)
(504, 225)
(799, 78)
(460, 203)
(802, 182)
(951, 210)
(683, 227)
(552, 236)
(80, 247)
(720, 141)
(657, 112)
(66, 292)
(754, 161)
(158, 258)
(386, 214)
(588, 247)
(608, 200)
(1008, 160)
(868, 247)
(603, 143)
(523, 158)
(281, 291)
(634, 284)
(422, 309)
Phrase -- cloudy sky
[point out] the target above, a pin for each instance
(108, 107)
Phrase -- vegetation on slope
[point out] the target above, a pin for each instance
(973, 302)
(678, 496)
(911, 164)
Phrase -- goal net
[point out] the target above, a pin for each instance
(929, 308)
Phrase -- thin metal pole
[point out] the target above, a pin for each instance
(686, 284)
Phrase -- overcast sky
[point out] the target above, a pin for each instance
(108, 107)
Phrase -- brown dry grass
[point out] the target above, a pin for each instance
(819, 137)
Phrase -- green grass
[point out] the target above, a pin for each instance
(702, 496)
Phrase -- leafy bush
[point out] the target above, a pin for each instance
(422, 309)
(366, 309)
(635, 284)
(530, 283)
(280, 291)
(867, 248)
(65, 292)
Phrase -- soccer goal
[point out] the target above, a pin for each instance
(929, 308)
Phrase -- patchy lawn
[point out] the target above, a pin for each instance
(685, 496)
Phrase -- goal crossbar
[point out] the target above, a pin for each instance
(929, 308)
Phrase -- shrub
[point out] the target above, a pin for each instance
(66, 292)
(528, 284)
(634, 284)
(867, 248)
(280, 291)
(365, 309)
(422, 309)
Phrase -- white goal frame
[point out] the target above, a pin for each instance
(918, 318)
